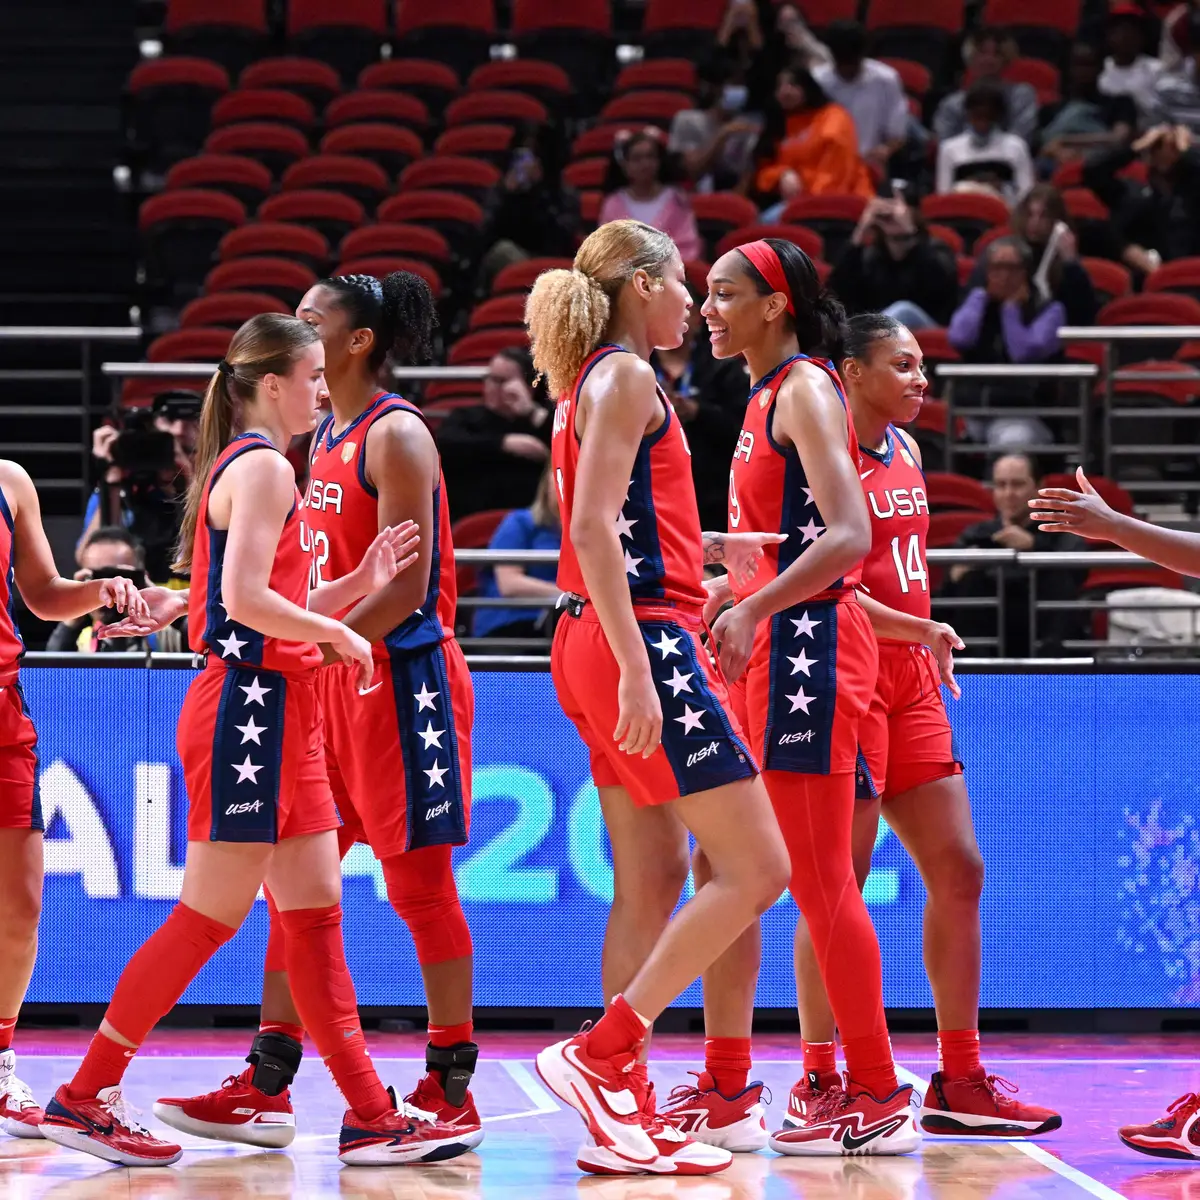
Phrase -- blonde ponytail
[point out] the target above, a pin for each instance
(215, 432)
(568, 312)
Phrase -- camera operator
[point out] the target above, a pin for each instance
(107, 552)
(149, 463)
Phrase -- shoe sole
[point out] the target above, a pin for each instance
(938, 1121)
(85, 1143)
(567, 1083)
(596, 1160)
(19, 1129)
(1158, 1151)
(903, 1141)
(384, 1154)
(471, 1139)
(269, 1136)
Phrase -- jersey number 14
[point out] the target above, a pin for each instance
(911, 569)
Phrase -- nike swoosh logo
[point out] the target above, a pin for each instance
(864, 474)
(368, 691)
(853, 1143)
(621, 1103)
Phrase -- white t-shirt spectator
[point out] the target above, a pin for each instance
(1177, 97)
(968, 156)
(1137, 81)
(875, 99)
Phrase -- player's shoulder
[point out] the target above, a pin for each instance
(398, 436)
(267, 467)
(907, 446)
(623, 370)
(15, 483)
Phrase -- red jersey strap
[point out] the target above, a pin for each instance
(773, 381)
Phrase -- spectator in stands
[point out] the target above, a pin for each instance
(1128, 70)
(740, 48)
(1087, 119)
(892, 265)
(986, 54)
(985, 155)
(1159, 220)
(1177, 92)
(534, 528)
(493, 453)
(715, 140)
(795, 42)
(638, 185)
(1015, 482)
(709, 396)
(108, 551)
(1034, 219)
(808, 147)
(1007, 321)
(870, 91)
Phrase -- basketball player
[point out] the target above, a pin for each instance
(398, 749)
(632, 674)
(250, 740)
(809, 657)
(912, 767)
(26, 560)
(1176, 1134)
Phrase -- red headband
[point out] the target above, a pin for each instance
(762, 255)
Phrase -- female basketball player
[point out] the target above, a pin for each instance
(25, 558)
(810, 659)
(250, 740)
(912, 768)
(631, 672)
(1061, 510)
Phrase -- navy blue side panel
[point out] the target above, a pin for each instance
(433, 787)
(803, 689)
(9, 578)
(247, 762)
(697, 736)
(37, 821)
(226, 639)
(638, 529)
(864, 784)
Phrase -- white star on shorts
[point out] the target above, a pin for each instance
(632, 562)
(801, 701)
(232, 645)
(802, 663)
(811, 531)
(255, 693)
(666, 645)
(679, 682)
(804, 626)
(431, 736)
(436, 774)
(250, 732)
(624, 525)
(246, 770)
(691, 719)
(425, 698)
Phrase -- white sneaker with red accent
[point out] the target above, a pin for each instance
(20, 1113)
(736, 1123)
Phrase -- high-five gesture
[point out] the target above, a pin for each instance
(1060, 510)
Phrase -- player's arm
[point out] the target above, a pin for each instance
(941, 638)
(1060, 510)
(393, 550)
(625, 402)
(48, 595)
(402, 466)
(739, 553)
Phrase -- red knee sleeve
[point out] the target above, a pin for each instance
(276, 954)
(421, 888)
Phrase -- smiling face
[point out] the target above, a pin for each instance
(889, 378)
(735, 310)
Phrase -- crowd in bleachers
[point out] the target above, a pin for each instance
(988, 174)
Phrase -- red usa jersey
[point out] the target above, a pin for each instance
(894, 572)
(659, 525)
(11, 646)
(768, 490)
(341, 519)
(209, 628)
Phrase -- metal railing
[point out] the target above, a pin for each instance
(148, 370)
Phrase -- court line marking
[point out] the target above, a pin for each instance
(524, 1079)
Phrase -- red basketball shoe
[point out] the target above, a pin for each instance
(736, 1123)
(844, 1122)
(430, 1098)
(20, 1113)
(806, 1093)
(974, 1105)
(1176, 1135)
(398, 1137)
(236, 1112)
(106, 1128)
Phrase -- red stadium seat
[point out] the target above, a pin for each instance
(1041, 76)
(719, 212)
(458, 33)
(477, 348)
(821, 13)
(586, 173)
(680, 28)
(695, 271)
(934, 417)
(945, 528)
(263, 104)
(450, 214)
(1109, 279)
(988, 236)
(180, 232)
(1112, 493)
(330, 212)
(171, 102)
(520, 276)
(190, 345)
(585, 16)
(381, 106)
(935, 345)
(947, 490)
(410, 241)
(800, 235)
(1155, 391)
(275, 146)
(577, 36)
(231, 32)
(1041, 30)
(391, 147)
(469, 176)
(244, 178)
(913, 75)
(595, 143)
(348, 35)
(489, 142)
(1160, 308)
(361, 178)
(276, 238)
(434, 83)
(646, 108)
(316, 81)
(652, 74)
(455, 391)
(500, 311)
(589, 208)
(190, 204)
(968, 213)
(279, 277)
(898, 29)
(546, 81)
(1181, 275)
(1109, 579)
(382, 265)
(1085, 205)
(833, 217)
(497, 108)
(229, 310)
(472, 532)
(947, 236)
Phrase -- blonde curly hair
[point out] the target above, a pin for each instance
(568, 311)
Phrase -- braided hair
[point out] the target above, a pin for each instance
(400, 311)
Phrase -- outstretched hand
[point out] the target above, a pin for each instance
(1084, 513)
(741, 552)
(146, 612)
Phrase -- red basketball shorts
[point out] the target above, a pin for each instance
(702, 744)
(399, 751)
(906, 736)
(20, 800)
(252, 744)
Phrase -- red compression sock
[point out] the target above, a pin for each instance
(620, 1031)
(727, 1063)
(445, 1036)
(324, 996)
(820, 1058)
(873, 1068)
(8, 1027)
(295, 1032)
(958, 1052)
(103, 1065)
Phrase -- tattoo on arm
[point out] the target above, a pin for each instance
(714, 548)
